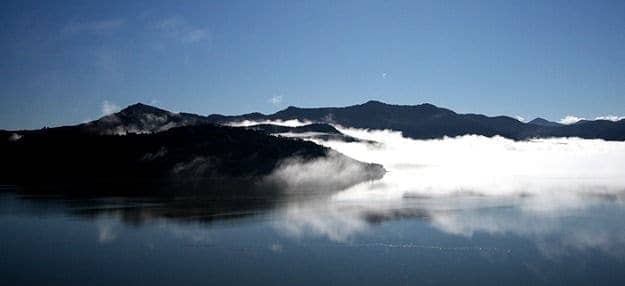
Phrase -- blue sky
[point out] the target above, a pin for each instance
(64, 62)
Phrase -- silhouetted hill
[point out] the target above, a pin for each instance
(426, 121)
(141, 118)
(202, 159)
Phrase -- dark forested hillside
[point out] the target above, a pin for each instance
(200, 159)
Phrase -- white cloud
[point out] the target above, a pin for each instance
(289, 123)
(520, 118)
(384, 75)
(181, 30)
(95, 27)
(477, 164)
(610, 117)
(276, 100)
(109, 108)
(483, 165)
(570, 119)
(194, 36)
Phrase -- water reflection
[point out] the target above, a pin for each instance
(517, 239)
(555, 224)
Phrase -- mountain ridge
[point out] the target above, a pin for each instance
(422, 121)
(428, 121)
(544, 122)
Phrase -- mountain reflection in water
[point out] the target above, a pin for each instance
(487, 240)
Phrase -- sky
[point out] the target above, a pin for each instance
(67, 62)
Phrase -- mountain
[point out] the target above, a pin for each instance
(422, 121)
(141, 118)
(201, 159)
(426, 121)
(544, 122)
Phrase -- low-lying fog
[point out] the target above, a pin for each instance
(472, 184)
(485, 166)
(472, 164)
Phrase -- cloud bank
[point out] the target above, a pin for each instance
(482, 165)
(471, 164)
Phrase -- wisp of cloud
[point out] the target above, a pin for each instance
(288, 123)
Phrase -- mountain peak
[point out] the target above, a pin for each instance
(141, 108)
(142, 118)
(374, 102)
(139, 105)
(544, 122)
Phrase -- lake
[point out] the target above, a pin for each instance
(454, 239)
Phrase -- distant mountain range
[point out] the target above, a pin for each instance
(424, 121)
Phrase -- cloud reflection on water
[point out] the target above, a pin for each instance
(564, 194)
(556, 226)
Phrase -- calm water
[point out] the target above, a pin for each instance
(573, 240)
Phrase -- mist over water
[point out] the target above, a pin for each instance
(467, 185)
(470, 164)
(481, 165)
